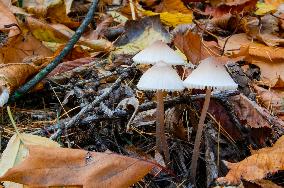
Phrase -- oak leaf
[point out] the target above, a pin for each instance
(257, 166)
(72, 167)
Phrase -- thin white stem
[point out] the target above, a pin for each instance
(195, 154)
(161, 141)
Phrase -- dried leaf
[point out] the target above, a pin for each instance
(270, 99)
(269, 59)
(256, 166)
(234, 42)
(13, 76)
(140, 34)
(55, 10)
(16, 152)
(171, 6)
(194, 48)
(263, 8)
(252, 115)
(60, 34)
(7, 19)
(69, 65)
(231, 7)
(21, 47)
(64, 167)
(171, 19)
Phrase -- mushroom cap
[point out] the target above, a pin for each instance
(212, 74)
(156, 52)
(160, 77)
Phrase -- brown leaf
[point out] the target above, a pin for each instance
(269, 59)
(23, 46)
(171, 6)
(234, 42)
(252, 115)
(270, 99)
(231, 7)
(64, 167)
(69, 65)
(195, 49)
(256, 166)
(8, 21)
(61, 34)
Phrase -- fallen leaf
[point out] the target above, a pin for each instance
(140, 34)
(70, 65)
(270, 99)
(231, 7)
(257, 166)
(263, 8)
(16, 151)
(55, 10)
(59, 33)
(265, 29)
(274, 3)
(251, 115)
(171, 6)
(64, 167)
(233, 44)
(8, 22)
(23, 46)
(12, 76)
(194, 48)
(171, 19)
(268, 59)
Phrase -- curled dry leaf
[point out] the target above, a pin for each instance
(8, 22)
(45, 167)
(194, 48)
(55, 10)
(23, 46)
(270, 99)
(257, 166)
(268, 59)
(233, 44)
(252, 115)
(59, 33)
(140, 34)
(233, 7)
(13, 76)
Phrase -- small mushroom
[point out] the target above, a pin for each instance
(161, 77)
(156, 52)
(208, 75)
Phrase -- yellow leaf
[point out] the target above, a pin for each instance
(170, 19)
(263, 8)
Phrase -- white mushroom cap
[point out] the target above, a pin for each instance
(160, 77)
(212, 74)
(156, 52)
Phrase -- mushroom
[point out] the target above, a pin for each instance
(161, 77)
(208, 75)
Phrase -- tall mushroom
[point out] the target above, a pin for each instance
(210, 74)
(161, 77)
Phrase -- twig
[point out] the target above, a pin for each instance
(44, 72)
(75, 119)
(122, 114)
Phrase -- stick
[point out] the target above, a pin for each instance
(44, 72)
(75, 119)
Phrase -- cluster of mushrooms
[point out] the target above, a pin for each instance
(161, 77)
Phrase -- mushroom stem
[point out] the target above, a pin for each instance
(161, 141)
(197, 142)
